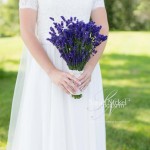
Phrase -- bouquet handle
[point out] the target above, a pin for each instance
(76, 73)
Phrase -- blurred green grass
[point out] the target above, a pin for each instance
(125, 69)
(124, 66)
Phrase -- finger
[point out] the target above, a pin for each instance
(68, 88)
(85, 87)
(84, 80)
(82, 76)
(84, 84)
(71, 84)
(64, 89)
(72, 77)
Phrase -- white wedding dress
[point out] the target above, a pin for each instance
(43, 117)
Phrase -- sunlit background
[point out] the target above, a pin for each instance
(125, 67)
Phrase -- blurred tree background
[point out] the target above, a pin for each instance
(124, 15)
(128, 15)
(9, 19)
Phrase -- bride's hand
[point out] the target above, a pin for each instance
(85, 77)
(64, 80)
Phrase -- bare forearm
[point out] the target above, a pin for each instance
(37, 51)
(100, 49)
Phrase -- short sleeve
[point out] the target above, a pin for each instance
(28, 4)
(98, 3)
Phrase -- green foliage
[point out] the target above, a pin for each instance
(128, 15)
(143, 12)
(9, 19)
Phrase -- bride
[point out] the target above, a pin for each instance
(44, 116)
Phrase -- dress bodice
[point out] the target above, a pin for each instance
(56, 8)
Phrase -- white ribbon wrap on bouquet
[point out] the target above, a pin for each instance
(76, 73)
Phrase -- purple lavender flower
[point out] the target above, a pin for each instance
(51, 18)
(75, 40)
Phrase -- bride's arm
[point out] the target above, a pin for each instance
(99, 16)
(27, 30)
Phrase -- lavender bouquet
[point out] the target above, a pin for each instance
(76, 42)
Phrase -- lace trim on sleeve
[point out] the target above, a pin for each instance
(98, 3)
(28, 4)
